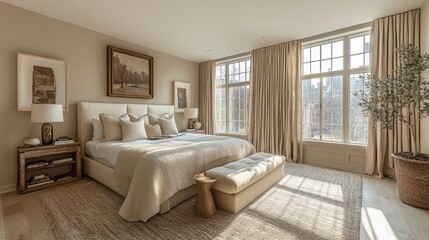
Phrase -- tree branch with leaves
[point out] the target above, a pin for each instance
(397, 99)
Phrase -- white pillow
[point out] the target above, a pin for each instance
(168, 126)
(134, 117)
(111, 126)
(97, 129)
(132, 130)
(153, 131)
(166, 121)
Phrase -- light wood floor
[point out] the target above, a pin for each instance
(384, 216)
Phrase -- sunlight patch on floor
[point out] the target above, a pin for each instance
(326, 190)
(373, 220)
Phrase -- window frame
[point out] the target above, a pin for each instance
(345, 74)
(228, 85)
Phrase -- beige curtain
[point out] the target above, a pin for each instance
(205, 111)
(387, 34)
(275, 105)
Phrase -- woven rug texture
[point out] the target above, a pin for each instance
(308, 203)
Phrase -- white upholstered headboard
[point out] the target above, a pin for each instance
(86, 111)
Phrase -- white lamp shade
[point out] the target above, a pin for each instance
(191, 113)
(43, 113)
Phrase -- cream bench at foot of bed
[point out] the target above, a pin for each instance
(240, 182)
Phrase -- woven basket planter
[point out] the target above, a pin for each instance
(412, 177)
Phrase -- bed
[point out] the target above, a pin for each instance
(152, 175)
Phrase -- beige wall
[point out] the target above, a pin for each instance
(85, 53)
(425, 48)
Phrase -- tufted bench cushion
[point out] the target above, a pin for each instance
(242, 181)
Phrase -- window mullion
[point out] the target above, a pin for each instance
(346, 93)
(320, 108)
(227, 98)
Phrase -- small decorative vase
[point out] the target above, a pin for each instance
(197, 125)
(31, 142)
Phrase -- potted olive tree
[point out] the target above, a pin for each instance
(398, 100)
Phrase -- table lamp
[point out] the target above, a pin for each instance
(47, 113)
(189, 114)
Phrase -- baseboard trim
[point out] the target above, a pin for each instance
(7, 188)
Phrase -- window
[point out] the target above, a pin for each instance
(232, 96)
(330, 76)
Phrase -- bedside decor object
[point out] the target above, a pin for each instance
(31, 142)
(197, 125)
(129, 74)
(191, 114)
(40, 81)
(204, 204)
(182, 96)
(47, 113)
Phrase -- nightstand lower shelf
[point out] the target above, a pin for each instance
(53, 184)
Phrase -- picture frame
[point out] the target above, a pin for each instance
(129, 74)
(182, 96)
(40, 80)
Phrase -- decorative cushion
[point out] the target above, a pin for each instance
(153, 131)
(168, 126)
(134, 117)
(153, 119)
(97, 129)
(112, 127)
(132, 130)
(166, 121)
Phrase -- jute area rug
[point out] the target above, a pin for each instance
(308, 203)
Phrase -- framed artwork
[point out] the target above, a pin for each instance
(40, 80)
(182, 96)
(129, 74)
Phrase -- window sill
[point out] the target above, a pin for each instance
(308, 142)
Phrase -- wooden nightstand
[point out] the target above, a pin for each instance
(60, 163)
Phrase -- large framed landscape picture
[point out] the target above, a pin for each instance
(40, 80)
(129, 74)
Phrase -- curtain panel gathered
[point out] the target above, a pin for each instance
(206, 108)
(275, 100)
(388, 34)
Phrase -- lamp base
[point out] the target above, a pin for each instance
(47, 134)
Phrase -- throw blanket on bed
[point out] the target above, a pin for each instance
(152, 173)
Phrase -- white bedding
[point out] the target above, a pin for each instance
(107, 152)
(149, 172)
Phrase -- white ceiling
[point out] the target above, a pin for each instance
(200, 30)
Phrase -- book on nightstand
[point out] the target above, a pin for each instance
(63, 177)
(37, 164)
(39, 180)
(63, 141)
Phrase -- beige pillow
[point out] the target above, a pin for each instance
(168, 126)
(97, 129)
(166, 121)
(153, 131)
(134, 117)
(112, 127)
(153, 119)
(132, 130)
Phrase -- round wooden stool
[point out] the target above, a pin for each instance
(204, 205)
